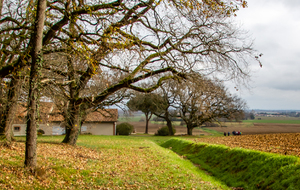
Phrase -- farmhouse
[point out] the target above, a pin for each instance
(100, 122)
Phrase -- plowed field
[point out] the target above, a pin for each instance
(282, 143)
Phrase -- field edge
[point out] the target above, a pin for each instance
(244, 168)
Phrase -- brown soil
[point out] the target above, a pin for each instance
(180, 130)
(282, 143)
(261, 128)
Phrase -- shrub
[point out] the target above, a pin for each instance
(164, 131)
(40, 132)
(124, 129)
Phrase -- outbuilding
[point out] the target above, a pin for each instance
(99, 122)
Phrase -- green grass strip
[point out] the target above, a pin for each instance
(239, 167)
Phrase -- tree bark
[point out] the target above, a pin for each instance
(72, 117)
(189, 131)
(1, 5)
(148, 117)
(33, 95)
(169, 124)
(9, 111)
(73, 122)
(147, 121)
(189, 127)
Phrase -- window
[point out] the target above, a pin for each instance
(83, 128)
(16, 129)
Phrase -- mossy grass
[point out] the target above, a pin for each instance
(212, 132)
(239, 167)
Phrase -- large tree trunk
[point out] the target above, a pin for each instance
(72, 132)
(9, 111)
(169, 124)
(190, 128)
(72, 117)
(73, 122)
(1, 5)
(33, 95)
(190, 131)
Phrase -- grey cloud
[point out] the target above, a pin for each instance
(288, 3)
(275, 27)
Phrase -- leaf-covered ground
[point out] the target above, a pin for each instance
(104, 163)
(282, 143)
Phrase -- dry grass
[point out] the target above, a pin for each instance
(101, 162)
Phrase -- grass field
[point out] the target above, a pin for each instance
(281, 120)
(246, 169)
(102, 162)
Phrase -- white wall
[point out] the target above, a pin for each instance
(56, 129)
(99, 128)
(21, 132)
(46, 128)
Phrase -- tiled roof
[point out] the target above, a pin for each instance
(106, 115)
(45, 109)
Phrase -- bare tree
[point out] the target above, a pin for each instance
(92, 26)
(166, 99)
(146, 103)
(12, 44)
(63, 78)
(34, 83)
(139, 39)
(203, 100)
(9, 105)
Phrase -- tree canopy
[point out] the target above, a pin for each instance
(203, 100)
(146, 103)
(129, 41)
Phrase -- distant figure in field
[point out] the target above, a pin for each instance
(236, 132)
(225, 134)
(228, 133)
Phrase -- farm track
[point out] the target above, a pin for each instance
(282, 143)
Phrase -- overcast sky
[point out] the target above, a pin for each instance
(275, 27)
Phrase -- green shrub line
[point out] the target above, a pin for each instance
(238, 167)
